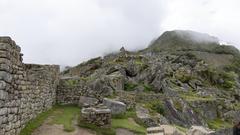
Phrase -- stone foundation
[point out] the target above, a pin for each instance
(99, 116)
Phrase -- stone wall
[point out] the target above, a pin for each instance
(70, 90)
(25, 89)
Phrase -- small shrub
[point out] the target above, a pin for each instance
(177, 105)
(156, 106)
(130, 86)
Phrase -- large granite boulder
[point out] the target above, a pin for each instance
(116, 107)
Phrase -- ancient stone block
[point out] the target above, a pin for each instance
(3, 95)
(5, 76)
(116, 107)
(99, 115)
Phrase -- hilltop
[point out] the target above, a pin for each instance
(183, 78)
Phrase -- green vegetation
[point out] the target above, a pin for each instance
(125, 121)
(220, 78)
(148, 88)
(37, 122)
(155, 107)
(219, 124)
(191, 96)
(182, 129)
(98, 130)
(130, 86)
(64, 115)
(183, 75)
(71, 83)
(178, 105)
(128, 124)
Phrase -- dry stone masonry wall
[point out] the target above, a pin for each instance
(25, 89)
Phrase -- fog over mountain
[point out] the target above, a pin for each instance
(68, 32)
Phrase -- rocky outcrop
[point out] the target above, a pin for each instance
(144, 117)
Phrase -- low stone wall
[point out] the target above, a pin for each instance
(98, 115)
(70, 90)
(25, 89)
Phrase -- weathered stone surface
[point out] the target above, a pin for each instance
(171, 130)
(3, 95)
(143, 116)
(199, 130)
(87, 101)
(5, 76)
(98, 115)
(116, 107)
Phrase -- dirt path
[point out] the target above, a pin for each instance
(50, 129)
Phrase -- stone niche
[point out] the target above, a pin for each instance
(99, 115)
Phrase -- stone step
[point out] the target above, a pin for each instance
(155, 131)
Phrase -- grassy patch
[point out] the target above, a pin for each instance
(130, 86)
(64, 115)
(125, 121)
(182, 129)
(155, 107)
(178, 105)
(218, 124)
(98, 130)
(37, 122)
(191, 96)
(128, 124)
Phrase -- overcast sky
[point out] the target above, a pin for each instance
(68, 32)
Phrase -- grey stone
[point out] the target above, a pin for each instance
(5, 76)
(199, 130)
(116, 107)
(144, 116)
(3, 95)
(87, 101)
(2, 85)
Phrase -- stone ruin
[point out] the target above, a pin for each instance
(99, 115)
(25, 89)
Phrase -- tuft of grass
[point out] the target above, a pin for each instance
(129, 125)
(182, 129)
(64, 115)
(218, 124)
(37, 122)
(155, 106)
(130, 86)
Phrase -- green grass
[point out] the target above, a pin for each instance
(182, 129)
(37, 122)
(218, 124)
(125, 121)
(128, 124)
(155, 106)
(64, 115)
(98, 130)
(191, 96)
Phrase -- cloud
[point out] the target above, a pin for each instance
(68, 32)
